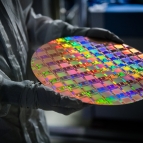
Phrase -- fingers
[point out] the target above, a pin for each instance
(103, 34)
(68, 102)
(67, 111)
(68, 105)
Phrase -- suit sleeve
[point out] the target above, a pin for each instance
(42, 29)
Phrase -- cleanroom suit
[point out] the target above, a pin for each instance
(22, 98)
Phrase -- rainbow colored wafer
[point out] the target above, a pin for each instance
(96, 72)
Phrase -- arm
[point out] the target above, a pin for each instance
(43, 29)
(26, 94)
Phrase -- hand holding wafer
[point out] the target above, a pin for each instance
(93, 71)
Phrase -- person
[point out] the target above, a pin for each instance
(23, 99)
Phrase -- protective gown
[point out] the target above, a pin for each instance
(20, 125)
(21, 31)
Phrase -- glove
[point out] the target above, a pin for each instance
(42, 29)
(98, 33)
(70, 30)
(29, 95)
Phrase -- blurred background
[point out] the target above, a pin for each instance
(99, 124)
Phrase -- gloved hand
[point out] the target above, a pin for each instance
(29, 95)
(41, 29)
(70, 30)
(50, 100)
(63, 29)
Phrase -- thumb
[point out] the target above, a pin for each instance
(115, 38)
